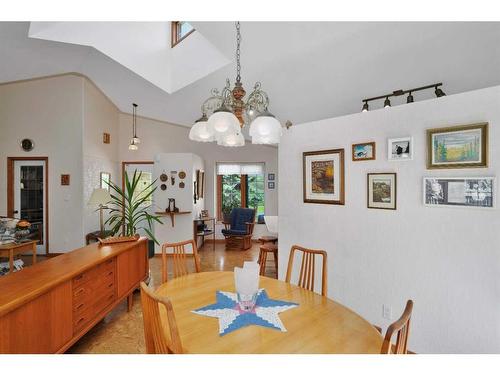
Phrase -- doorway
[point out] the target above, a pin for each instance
(27, 195)
(146, 167)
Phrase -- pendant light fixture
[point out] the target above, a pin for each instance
(228, 113)
(133, 146)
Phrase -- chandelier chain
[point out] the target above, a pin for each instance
(238, 44)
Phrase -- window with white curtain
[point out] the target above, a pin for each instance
(240, 185)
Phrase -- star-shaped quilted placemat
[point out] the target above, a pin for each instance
(231, 317)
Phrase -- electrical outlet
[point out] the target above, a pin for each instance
(386, 312)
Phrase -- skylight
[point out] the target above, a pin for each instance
(180, 30)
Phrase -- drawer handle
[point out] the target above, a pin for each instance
(109, 261)
(80, 306)
(79, 277)
(79, 291)
(111, 296)
(80, 320)
(110, 285)
(110, 273)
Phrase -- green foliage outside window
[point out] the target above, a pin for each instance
(231, 194)
(255, 194)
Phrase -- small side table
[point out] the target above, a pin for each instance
(12, 249)
(204, 234)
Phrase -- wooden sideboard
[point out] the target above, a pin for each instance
(47, 307)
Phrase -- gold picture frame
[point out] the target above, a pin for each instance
(323, 177)
(361, 151)
(462, 146)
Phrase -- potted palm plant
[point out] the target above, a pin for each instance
(128, 209)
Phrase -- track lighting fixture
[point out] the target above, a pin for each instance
(387, 103)
(439, 93)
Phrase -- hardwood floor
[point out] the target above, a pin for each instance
(122, 331)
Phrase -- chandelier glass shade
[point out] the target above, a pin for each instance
(201, 132)
(231, 139)
(228, 113)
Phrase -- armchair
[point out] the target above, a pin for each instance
(238, 231)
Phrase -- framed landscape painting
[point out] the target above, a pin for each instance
(382, 190)
(363, 151)
(460, 191)
(323, 176)
(400, 148)
(463, 146)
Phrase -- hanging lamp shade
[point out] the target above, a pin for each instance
(223, 120)
(231, 139)
(201, 132)
(135, 139)
(265, 129)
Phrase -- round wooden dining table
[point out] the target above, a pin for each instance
(317, 325)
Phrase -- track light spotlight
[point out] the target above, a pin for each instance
(365, 107)
(409, 99)
(439, 93)
(387, 102)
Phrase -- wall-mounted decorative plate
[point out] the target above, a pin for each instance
(163, 177)
(163, 187)
(182, 175)
(27, 144)
(181, 185)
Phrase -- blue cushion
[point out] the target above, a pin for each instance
(231, 232)
(241, 216)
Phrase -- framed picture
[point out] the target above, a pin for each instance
(270, 185)
(270, 176)
(460, 191)
(323, 176)
(104, 180)
(400, 148)
(382, 190)
(202, 183)
(463, 146)
(363, 151)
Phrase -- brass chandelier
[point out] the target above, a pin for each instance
(225, 113)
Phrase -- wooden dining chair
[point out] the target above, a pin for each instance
(401, 328)
(307, 268)
(179, 258)
(157, 340)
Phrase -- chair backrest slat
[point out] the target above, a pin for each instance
(179, 258)
(157, 341)
(400, 328)
(307, 268)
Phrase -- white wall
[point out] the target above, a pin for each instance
(183, 224)
(49, 112)
(99, 116)
(160, 137)
(446, 259)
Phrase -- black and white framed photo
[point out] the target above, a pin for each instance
(400, 148)
(270, 185)
(460, 191)
(382, 189)
(270, 176)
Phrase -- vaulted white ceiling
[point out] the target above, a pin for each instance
(311, 70)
